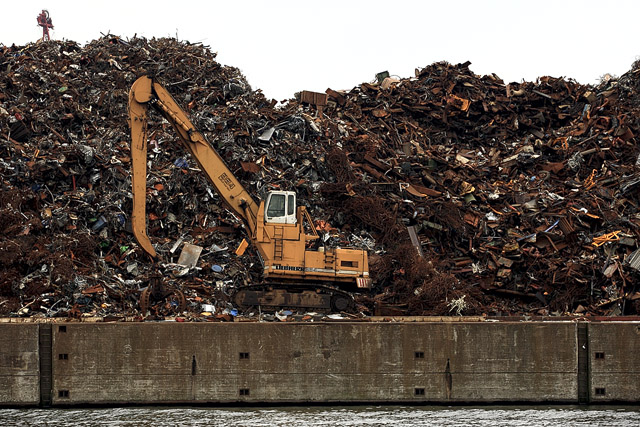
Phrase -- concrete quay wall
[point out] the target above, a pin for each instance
(19, 364)
(75, 363)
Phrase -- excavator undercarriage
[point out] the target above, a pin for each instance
(322, 298)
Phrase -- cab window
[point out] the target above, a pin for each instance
(291, 205)
(276, 205)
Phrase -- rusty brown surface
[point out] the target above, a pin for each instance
(523, 197)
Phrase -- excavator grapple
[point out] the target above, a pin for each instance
(160, 299)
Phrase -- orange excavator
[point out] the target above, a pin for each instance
(296, 273)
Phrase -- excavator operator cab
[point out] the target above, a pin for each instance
(280, 207)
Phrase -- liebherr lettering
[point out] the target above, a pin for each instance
(287, 267)
(226, 181)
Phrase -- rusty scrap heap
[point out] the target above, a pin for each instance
(473, 196)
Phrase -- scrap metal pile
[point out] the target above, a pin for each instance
(472, 196)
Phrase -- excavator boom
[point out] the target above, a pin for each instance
(146, 92)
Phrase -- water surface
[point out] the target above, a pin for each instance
(328, 416)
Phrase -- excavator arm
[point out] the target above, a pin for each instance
(147, 92)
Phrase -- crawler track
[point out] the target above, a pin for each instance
(273, 297)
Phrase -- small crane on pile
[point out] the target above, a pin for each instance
(44, 21)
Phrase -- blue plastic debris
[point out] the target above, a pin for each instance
(100, 223)
(181, 163)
